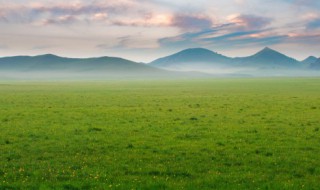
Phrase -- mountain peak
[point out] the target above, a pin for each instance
(312, 57)
(316, 64)
(191, 56)
(268, 52)
(268, 56)
(48, 55)
(196, 49)
(309, 60)
(196, 52)
(267, 49)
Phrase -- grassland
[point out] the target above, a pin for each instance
(178, 134)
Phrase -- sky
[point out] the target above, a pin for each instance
(144, 30)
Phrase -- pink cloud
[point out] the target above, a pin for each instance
(191, 22)
(250, 22)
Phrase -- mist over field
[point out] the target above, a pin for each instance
(188, 63)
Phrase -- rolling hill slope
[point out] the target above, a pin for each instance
(200, 59)
(309, 60)
(50, 66)
(315, 65)
(195, 57)
(51, 62)
(268, 59)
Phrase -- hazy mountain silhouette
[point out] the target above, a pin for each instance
(265, 62)
(269, 59)
(189, 57)
(315, 65)
(49, 62)
(203, 59)
(309, 60)
(50, 66)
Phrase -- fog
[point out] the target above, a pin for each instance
(186, 73)
(236, 71)
(97, 75)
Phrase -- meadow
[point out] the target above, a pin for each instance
(250, 133)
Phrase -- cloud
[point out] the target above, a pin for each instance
(224, 36)
(81, 8)
(99, 16)
(191, 22)
(42, 47)
(128, 24)
(66, 13)
(2, 16)
(240, 2)
(129, 42)
(314, 24)
(118, 13)
(250, 22)
(148, 20)
(303, 38)
(2, 46)
(305, 3)
(66, 19)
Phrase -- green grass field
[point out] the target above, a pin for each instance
(173, 134)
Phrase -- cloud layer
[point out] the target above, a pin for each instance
(124, 27)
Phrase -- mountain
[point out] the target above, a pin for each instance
(315, 65)
(195, 57)
(49, 62)
(199, 59)
(50, 66)
(196, 61)
(268, 59)
(309, 60)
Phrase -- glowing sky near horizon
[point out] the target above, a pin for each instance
(143, 30)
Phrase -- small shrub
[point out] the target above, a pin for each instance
(5, 120)
(220, 144)
(94, 129)
(70, 187)
(193, 119)
(269, 154)
(130, 146)
(312, 170)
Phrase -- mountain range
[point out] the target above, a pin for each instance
(53, 63)
(309, 60)
(315, 65)
(267, 62)
(52, 66)
(200, 59)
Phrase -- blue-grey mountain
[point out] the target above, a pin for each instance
(198, 57)
(315, 65)
(51, 62)
(268, 59)
(265, 62)
(191, 57)
(309, 60)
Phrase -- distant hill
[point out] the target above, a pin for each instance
(50, 66)
(199, 59)
(194, 62)
(51, 62)
(269, 59)
(309, 60)
(195, 57)
(55, 67)
(315, 65)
